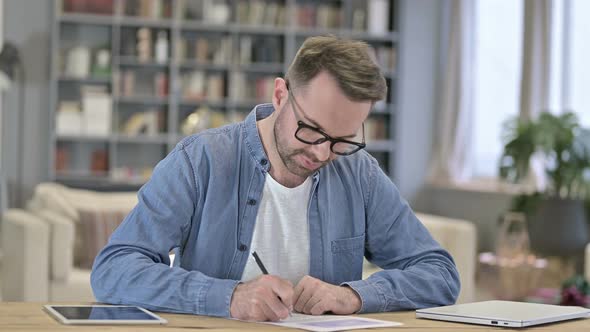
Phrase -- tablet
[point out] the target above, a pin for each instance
(102, 314)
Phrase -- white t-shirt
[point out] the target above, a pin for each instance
(281, 233)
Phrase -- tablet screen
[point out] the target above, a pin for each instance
(102, 313)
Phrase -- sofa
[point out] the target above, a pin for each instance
(44, 243)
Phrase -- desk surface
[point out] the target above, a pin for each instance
(19, 316)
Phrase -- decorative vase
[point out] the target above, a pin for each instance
(512, 239)
(559, 228)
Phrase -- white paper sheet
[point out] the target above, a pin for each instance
(328, 323)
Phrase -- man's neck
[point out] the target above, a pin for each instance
(278, 170)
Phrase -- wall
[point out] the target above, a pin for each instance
(419, 67)
(483, 208)
(423, 38)
(28, 25)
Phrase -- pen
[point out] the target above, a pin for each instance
(259, 262)
(262, 268)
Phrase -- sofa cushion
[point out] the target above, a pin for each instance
(50, 197)
(94, 229)
(68, 201)
(93, 215)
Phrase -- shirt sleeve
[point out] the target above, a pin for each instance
(417, 272)
(134, 268)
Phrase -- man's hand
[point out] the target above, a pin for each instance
(264, 298)
(315, 297)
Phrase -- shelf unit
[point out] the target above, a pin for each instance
(122, 158)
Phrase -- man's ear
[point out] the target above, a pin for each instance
(279, 94)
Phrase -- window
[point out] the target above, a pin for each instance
(579, 54)
(498, 51)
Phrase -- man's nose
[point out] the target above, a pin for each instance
(321, 152)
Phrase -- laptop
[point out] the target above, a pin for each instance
(504, 313)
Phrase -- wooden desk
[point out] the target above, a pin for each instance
(19, 316)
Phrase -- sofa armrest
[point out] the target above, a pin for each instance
(25, 242)
(459, 238)
(61, 244)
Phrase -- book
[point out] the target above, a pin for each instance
(96, 107)
(202, 50)
(238, 86)
(68, 119)
(256, 12)
(245, 50)
(222, 52)
(194, 85)
(128, 84)
(62, 158)
(281, 19)
(215, 85)
(358, 19)
(99, 161)
(161, 85)
(180, 49)
(242, 12)
(270, 14)
(378, 16)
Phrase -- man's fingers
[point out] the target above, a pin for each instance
(319, 308)
(284, 290)
(297, 293)
(315, 299)
(269, 313)
(304, 296)
(280, 310)
(265, 298)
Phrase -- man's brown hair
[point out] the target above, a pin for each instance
(349, 62)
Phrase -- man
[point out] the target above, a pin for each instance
(293, 184)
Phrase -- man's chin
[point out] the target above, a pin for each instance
(305, 172)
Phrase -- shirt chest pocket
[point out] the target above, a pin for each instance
(347, 258)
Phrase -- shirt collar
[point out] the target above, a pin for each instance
(252, 136)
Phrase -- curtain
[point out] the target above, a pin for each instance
(452, 149)
(544, 69)
(536, 58)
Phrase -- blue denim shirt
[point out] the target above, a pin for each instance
(202, 201)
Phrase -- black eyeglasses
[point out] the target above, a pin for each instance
(312, 135)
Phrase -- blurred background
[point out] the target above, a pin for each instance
(484, 129)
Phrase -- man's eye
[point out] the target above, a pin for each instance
(320, 140)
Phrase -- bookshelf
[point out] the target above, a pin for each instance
(130, 78)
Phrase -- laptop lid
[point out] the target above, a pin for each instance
(504, 313)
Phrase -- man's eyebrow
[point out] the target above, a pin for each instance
(348, 136)
(317, 125)
(312, 121)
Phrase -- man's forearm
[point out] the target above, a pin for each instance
(434, 281)
(126, 276)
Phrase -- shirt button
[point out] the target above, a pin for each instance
(242, 247)
(264, 162)
(252, 201)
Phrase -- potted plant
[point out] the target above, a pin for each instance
(556, 213)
